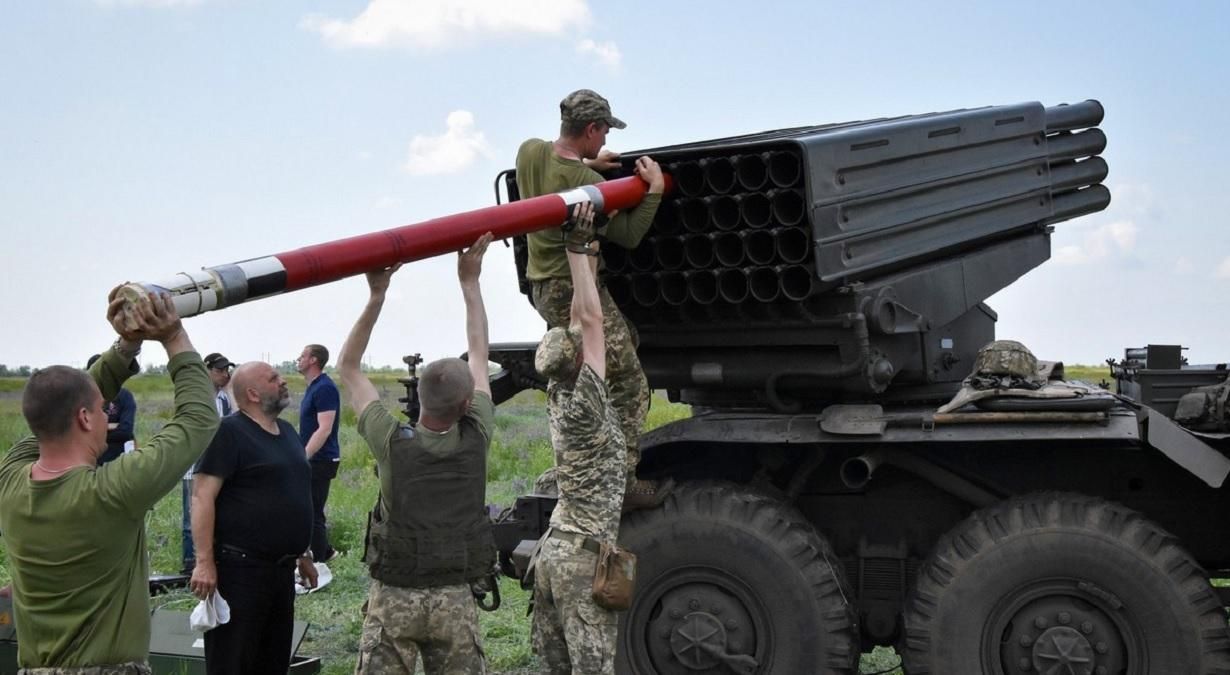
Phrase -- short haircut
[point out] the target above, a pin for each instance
(571, 128)
(319, 353)
(52, 398)
(444, 385)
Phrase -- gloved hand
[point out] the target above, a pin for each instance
(579, 230)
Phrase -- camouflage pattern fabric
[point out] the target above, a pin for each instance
(439, 623)
(589, 452)
(586, 105)
(1007, 358)
(117, 669)
(570, 634)
(629, 390)
(546, 484)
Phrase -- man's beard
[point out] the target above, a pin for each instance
(274, 405)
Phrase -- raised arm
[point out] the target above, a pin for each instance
(629, 227)
(586, 310)
(359, 389)
(469, 268)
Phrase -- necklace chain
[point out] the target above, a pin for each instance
(39, 464)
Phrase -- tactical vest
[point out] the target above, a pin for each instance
(436, 532)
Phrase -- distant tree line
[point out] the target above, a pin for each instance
(19, 371)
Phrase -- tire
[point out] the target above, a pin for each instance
(739, 571)
(1046, 581)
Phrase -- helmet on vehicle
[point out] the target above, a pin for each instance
(1007, 358)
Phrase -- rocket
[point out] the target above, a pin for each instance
(213, 288)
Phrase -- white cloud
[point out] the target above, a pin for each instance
(1223, 270)
(1113, 239)
(450, 152)
(436, 23)
(147, 3)
(606, 53)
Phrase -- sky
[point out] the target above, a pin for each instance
(141, 138)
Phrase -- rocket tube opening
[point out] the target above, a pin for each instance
(698, 250)
(666, 221)
(702, 286)
(787, 206)
(1066, 175)
(751, 171)
(669, 252)
(693, 214)
(796, 282)
(689, 177)
(763, 285)
(785, 169)
(723, 212)
(728, 249)
(791, 244)
(645, 290)
(615, 258)
(732, 285)
(755, 209)
(1068, 145)
(674, 287)
(619, 288)
(759, 246)
(719, 174)
(642, 258)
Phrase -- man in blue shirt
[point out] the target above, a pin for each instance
(121, 421)
(318, 423)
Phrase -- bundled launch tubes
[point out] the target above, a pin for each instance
(869, 246)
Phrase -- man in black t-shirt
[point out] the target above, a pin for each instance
(252, 524)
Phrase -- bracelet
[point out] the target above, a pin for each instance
(118, 346)
(582, 249)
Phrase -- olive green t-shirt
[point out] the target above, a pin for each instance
(540, 172)
(378, 427)
(76, 542)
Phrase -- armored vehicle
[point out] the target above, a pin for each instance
(858, 470)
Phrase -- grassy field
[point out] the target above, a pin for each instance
(520, 451)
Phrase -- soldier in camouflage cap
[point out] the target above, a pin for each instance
(571, 633)
(429, 541)
(573, 160)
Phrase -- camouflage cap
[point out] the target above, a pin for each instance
(586, 105)
(556, 357)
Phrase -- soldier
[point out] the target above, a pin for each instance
(75, 531)
(571, 633)
(573, 160)
(429, 537)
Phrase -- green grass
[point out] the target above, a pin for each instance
(520, 451)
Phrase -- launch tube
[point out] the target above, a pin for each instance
(645, 290)
(796, 281)
(673, 287)
(690, 178)
(615, 258)
(791, 243)
(698, 250)
(1077, 174)
(618, 287)
(1079, 202)
(755, 209)
(732, 285)
(669, 252)
(788, 206)
(226, 285)
(723, 211)
(719, 174)
(643, 257)
(752, 171)
(1075, 116)
(785, 169)
(1071, 146)
(762, 282)
(693, 213)
(702, 286)
(759, 246)
(728, 248)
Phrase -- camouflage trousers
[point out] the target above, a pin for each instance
(439, 623)
(626, 381)
(117, 669)
(570, 633)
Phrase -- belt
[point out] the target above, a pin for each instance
(588, 543)
(236, 552)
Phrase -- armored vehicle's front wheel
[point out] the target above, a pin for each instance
(1060, 583)
(731, 581)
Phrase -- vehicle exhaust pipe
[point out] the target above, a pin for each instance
(752, 170)
(857, 472)
(785, 169)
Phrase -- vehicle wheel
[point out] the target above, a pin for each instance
(1062, 583)
(732, 581)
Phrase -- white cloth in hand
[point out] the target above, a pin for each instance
(210, 614)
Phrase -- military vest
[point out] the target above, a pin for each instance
(436, 532)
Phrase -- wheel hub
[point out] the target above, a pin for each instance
(1060, 628)
(695, 639)
(698, 626)
(1063, 651)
